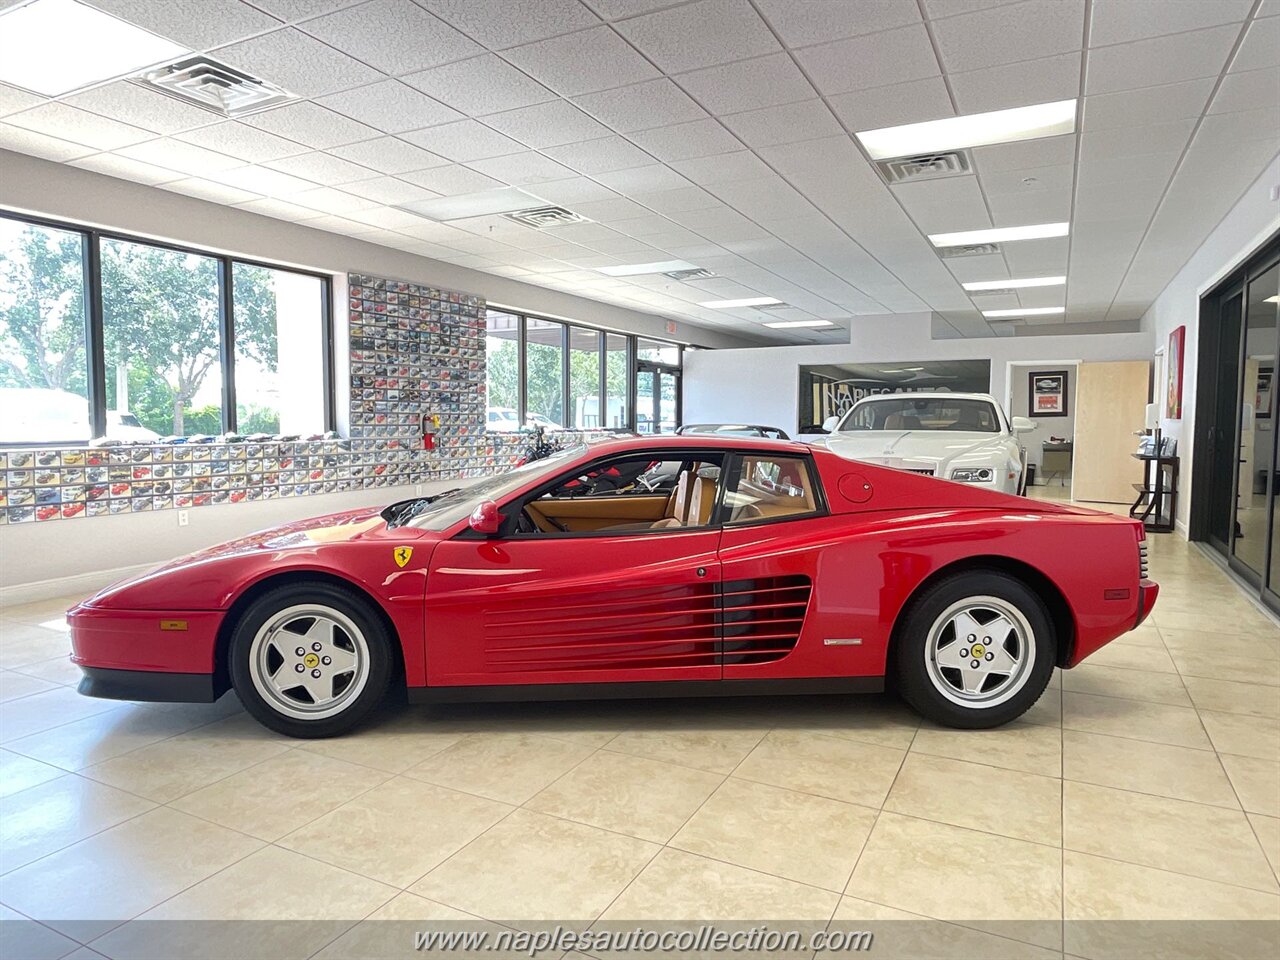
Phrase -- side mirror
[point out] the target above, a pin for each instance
(486, 519)
(830, 424)
(1022, 424)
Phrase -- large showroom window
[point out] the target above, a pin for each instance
(110, 336)
(564, 375)
(44, 368)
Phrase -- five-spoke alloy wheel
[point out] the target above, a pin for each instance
(310, 659)
(975, 650)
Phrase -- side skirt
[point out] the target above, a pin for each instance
(656, 689)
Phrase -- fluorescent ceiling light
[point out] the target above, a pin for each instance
(1013, 284)
(55, 46)
(974, 130)
(639, 269)
(482, 204)
(1275, 299)
(790, 324)
(1025, 312)
(1035, 231)
(744, 302)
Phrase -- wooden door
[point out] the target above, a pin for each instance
(1111, 404)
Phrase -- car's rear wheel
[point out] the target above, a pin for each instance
(976, 650)
(310, 659)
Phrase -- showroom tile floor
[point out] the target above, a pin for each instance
(1145, 785)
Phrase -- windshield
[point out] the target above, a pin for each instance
(449, 508)
(920, 412)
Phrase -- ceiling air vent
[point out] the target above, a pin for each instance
(925, 166)
(994, 291)
(215, 86)
(697, 273)
(542, 218)
(775, 306)
(968, 250)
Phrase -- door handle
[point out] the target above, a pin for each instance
(701, 571)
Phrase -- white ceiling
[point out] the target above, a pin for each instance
(718, 132)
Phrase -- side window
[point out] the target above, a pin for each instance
(629, 495)
(767, 487)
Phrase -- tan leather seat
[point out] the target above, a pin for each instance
(701, 502)
(677, 511)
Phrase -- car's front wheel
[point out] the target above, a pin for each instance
(310, 659)
(976, 650)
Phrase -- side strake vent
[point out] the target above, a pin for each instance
(968, 250)
(542, 218)
(216, 86)
(925, 166)
(761, 619)
(697, 273)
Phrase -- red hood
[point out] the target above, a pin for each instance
(330, 528)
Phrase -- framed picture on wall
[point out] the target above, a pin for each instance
(1173, 374)
(1047, 396)
(1262, 405)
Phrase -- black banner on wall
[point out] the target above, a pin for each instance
(830, 389)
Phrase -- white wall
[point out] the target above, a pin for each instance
(44, 188)
(762, 384)
(1046, 427)
(1249, 223)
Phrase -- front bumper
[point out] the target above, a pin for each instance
(170, 641)
(149, 685)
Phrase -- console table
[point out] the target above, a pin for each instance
(1157, 502)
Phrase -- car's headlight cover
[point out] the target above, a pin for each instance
(972, 474)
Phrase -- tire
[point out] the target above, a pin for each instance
(1014, 665)
(343, 670)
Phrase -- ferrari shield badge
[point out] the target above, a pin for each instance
(402, 555)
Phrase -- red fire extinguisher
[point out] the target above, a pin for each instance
(430, 424)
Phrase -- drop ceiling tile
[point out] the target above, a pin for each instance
(322, 168)
(802, 23)
(641, 180)
(723, 168)
(1131, 108)
(149, 109)
(1246, 91)
(126, 169)
(582, 62)
(342, 225)
(1017, 84)
(684, 141)
(1130, 169)
(504, 23)
(390, 106)
(12, 100)
(1026, 180)
(241, 140)
(198, 24)
(384, 217)
(1241, 126)
(451, 181)
(293, 10)
(790, 123)
(389, 155)
(464, 141)
(328, 200)
(1037, 258)
(1030, 30)
(209, 190)
(700, 34)
(396, 36)
(1145, 63)
(879, 60)
(937, 9)
(480, 85)
(389, 190)
(913, 102)
(1049, 152)
(79, 126)
(1170, 137)
(1121, 21)
(526, 167)
(748, 84)
(299, 63)
(176, 155)
(547, 124)
(262, 181)
(1040, 206)
(312, 125)
(574, 190)
(599, 156)
(658, 103)
(279, 209)
(1261, 46)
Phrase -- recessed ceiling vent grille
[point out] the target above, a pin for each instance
(968, 250)
(543, 218)
(925, 166)
(775, 306)
(697, 273)
(215, 86)
(994, 291)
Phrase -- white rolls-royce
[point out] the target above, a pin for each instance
(954, 436)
